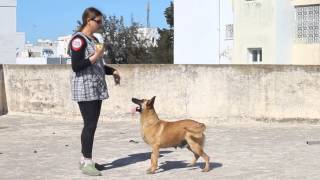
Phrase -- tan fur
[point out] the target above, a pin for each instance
(163, 134)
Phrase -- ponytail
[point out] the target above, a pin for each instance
(81, 27)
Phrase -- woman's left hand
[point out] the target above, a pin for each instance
(116, 77)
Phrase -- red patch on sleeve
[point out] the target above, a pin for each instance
(77, 44)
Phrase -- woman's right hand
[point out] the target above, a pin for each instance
(97, 55)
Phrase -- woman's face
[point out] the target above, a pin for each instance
(95, 23)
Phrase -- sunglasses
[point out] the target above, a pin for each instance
(97, 21)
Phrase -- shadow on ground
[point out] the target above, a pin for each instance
(164, 166)
(131, 159)
(169, 165)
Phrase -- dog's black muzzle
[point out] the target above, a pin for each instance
(138, 102)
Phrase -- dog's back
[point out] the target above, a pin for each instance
(172, 134)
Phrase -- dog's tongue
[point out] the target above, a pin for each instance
(133, 110)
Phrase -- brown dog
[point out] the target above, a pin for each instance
(162, 134)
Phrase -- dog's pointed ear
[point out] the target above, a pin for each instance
(151, 101)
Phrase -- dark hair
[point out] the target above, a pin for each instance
(89, 13)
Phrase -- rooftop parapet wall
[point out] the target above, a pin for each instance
(204, 92)
(3, 101)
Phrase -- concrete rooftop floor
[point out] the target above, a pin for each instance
(43, 147)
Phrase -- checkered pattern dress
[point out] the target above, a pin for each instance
(89, 84)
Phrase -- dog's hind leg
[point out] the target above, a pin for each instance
(197, 149)
(195, 158)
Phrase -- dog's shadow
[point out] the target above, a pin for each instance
(169, 165)
(164, 166)
(131, 159)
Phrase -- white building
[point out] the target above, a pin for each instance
(8, 31)
(62, 46)
(11, 42)
(20, 42)
(46, 52)
(226, 31)
(200, 31)
(43, 48)
(263, 31)
(277, 32)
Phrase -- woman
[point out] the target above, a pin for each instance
(88, 83)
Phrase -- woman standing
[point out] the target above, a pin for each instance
(88, 82)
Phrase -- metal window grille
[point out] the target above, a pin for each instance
(308, 22)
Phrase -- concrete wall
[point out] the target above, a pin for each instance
(3, 101)
(208, 93)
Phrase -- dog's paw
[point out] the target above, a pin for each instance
(150, 171)
(205, 170)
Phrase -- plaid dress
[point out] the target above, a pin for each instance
(89, 84)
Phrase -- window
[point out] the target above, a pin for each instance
(253, 3)
(255, 55)
(229, 32)
(308, 22)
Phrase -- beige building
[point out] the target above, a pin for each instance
(276, 32)
(306, 49)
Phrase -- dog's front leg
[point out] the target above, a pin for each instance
(154, 160)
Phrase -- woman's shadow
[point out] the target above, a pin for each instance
(139, 157)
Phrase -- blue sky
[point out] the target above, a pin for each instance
(49, 19)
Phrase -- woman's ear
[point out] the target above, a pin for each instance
(88, 20)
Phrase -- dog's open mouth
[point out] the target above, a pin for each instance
(138, 109)
(138, 102)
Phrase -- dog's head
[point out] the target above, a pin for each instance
(144, 104)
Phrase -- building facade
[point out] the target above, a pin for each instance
(263, 31)
(200, 30)
(306, 48)
(8, 31)
(276, 32)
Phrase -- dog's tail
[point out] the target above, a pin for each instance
(200, 128)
